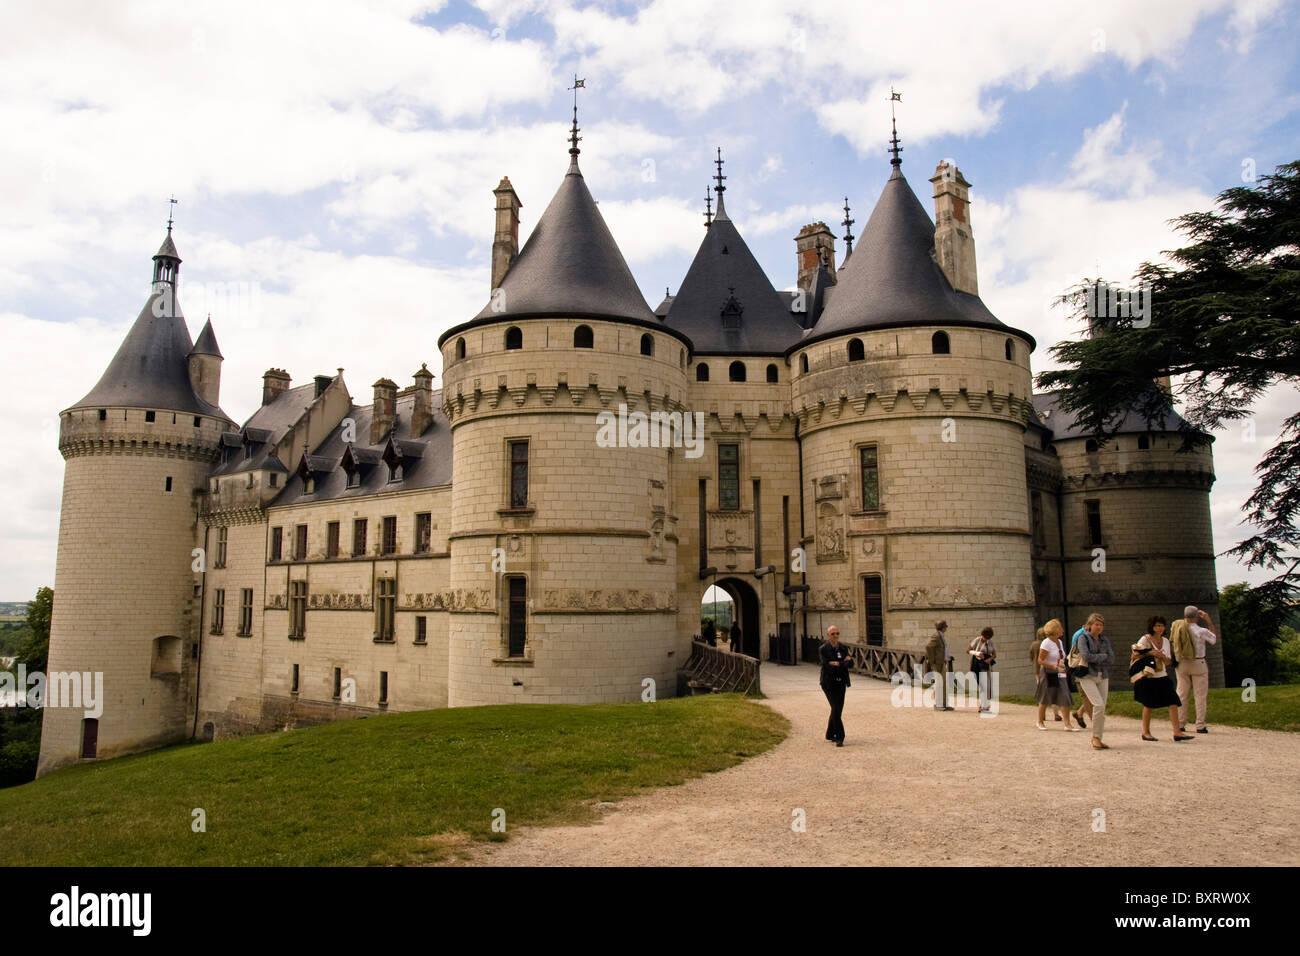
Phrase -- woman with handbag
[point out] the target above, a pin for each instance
(1156, 690)
(983, 655)
(1053, 689)
(1090, 660)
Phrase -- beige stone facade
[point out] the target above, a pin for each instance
(886, 477)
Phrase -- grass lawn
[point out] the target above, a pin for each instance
(1274, 708)
(392, 789)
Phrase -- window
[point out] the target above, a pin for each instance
(803, 364)
(1144, 442)
(358, 537)
(875, 612)
(1036, 520)
(1010, 349)
(856, 351)
(736, 372)
(277, 544)
(250, 480)
(167, 485)
(298, 610)
(388, 539)
(218, 610)
(702, 372)
(518, 621)
(245, 612)
(1090, 446)
(223, 534)
(647, 344)
(514, 338)
(423, 532)
(728, 477)
(332, 540)
(150, 416)
(385, 606)
(293, 688)
(682, 360)
(338, 682)
(1094, 522)
(89, 737)
(383, 687)
(460, 348)
(197, 421)
(103, 414)
(275, 479)
(421, 630)
(870, 465)
(771, 373)
(519, 474)
(583, 338)
(300, 543)
(939, 343)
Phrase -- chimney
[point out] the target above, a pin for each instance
(275, 381)
(506, 244)
(384, 414)
(813, 245)
(954, 246)
(422, 414)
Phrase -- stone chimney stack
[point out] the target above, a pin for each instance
(422, 414)
(954, 245)
(506, 244)
(275, 382)
(385, 410)
(813, 245)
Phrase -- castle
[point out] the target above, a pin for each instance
(872, 455)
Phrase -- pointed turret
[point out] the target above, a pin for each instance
(205, 365)
(151, 368)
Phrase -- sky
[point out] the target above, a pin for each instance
(333, 163)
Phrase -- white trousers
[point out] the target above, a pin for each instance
(1096, 689)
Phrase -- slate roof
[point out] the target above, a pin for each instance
(151, 366)
(207, 342)
(569, 267)
(426, 462)
(1064, 425)
(723, 267)
(263, 431)
(896, 280)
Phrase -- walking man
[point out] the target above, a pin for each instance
(836, 664)
(735, 637)
(1189, 637)
(936, 661)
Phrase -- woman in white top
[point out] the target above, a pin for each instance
(1156, 691)
(1053, 685)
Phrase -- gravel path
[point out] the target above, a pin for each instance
(911, 786)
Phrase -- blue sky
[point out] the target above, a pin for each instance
(334, 164)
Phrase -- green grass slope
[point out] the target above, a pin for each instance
(401, 788)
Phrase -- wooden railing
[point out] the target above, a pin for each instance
(873, 660)
(718, 670)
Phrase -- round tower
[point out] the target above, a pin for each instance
(1135, 528)
(138, 447)
(912, 401)
(561, 394)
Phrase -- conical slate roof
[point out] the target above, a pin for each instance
(570, 266)
(168, 249)
(151, 366)
(896, 280)
(207, 342)
(724, 267)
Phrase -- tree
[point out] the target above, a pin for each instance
(35, 651)
(1225, 316)
(1251, 624)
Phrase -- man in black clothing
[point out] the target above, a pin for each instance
(836, 664)
(735, 637)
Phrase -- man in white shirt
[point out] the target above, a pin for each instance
(1189, 637)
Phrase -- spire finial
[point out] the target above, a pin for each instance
(894, 97)
(573, 134)
(708, 207)
(171, 207)
(848, 229)
(719, 177)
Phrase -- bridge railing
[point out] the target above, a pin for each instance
(874, 660)
(718, 670)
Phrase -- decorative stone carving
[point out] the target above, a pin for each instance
(605, 600)
(830, 532)
(945, 596)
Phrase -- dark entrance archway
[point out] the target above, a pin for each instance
(745, 603)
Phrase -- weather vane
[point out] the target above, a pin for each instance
(848, 228)
(170, 208)
(573, 135)
(719, 177)
(894, 97)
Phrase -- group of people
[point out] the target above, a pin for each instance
(709, 634)
(1089, 662)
